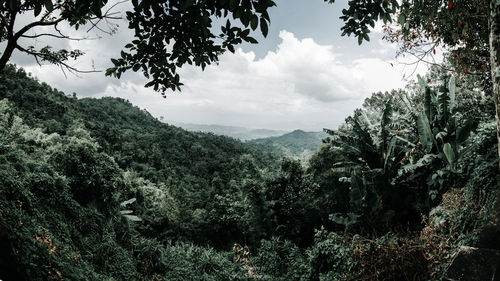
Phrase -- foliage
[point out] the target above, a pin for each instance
(168, 34)
(420, 26)
(374, 151)
(345, 257)
(70, 211)
(100, 189)
(402, 152)
(281, 260)
(360, 16)
(330, 257)
(297, 144)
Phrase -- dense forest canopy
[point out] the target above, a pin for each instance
(103, 189)
(98, 189)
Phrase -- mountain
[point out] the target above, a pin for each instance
(297, 144)
(98, 189)
(240, 133)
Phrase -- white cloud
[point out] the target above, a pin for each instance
(301, 84)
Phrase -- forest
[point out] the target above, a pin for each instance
(406, 188)
(97, 189)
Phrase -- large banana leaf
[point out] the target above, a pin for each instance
(443, 108)
(424, 132)
(384, 123)
(388, 153)
(449, 153)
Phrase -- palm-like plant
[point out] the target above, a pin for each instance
(374, 145)
(438, 126)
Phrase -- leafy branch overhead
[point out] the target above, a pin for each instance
(361, 15)
(167, 34)
(48, 14)
(170, 34)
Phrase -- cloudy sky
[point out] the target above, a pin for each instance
(304, 75)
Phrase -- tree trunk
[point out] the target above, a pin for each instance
(491, 233)
(495, 59)
(7, 53)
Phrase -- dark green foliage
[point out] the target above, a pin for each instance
(373, 151)
(388, 257)
(167, 34)
(398, 163)
(360, 16)
(281, 260)
(297, 144)
(99, 189)
(170, 34)
(66, 203)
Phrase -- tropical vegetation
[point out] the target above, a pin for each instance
(99, 189)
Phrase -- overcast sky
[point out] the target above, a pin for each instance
(304, 75)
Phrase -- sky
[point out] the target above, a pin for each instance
(304, 75)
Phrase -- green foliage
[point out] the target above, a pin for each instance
(156, 23)
(281, 260)
(442, 132)
(67, 204)
(388, 257)
(374, 151)
(361, 16)
(331, 257)
(297, 144)
(101, 190)
(168, 34)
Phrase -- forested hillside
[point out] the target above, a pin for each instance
(97, 189)
(240, 133)
(297, 144)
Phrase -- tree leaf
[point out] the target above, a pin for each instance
(264, 27)
(449, 153)
(424, 132)
(366, 37)
(254, 22)
(126, 202)
(38, 8)
(48, 5)
(133, 218)
(251, 40)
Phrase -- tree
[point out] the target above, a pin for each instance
(168, 34)
(462, 26)
(459, 25)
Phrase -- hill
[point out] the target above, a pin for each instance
(297, 144)
(98, 189)
(240, 133)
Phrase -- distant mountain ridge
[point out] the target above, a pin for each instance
(236, 132)
(297, 144)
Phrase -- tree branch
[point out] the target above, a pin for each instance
(41, 56)
(36, 23)
(58, 37)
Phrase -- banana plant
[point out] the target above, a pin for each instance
(438, 127)
(374, 150)
(442, 132)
